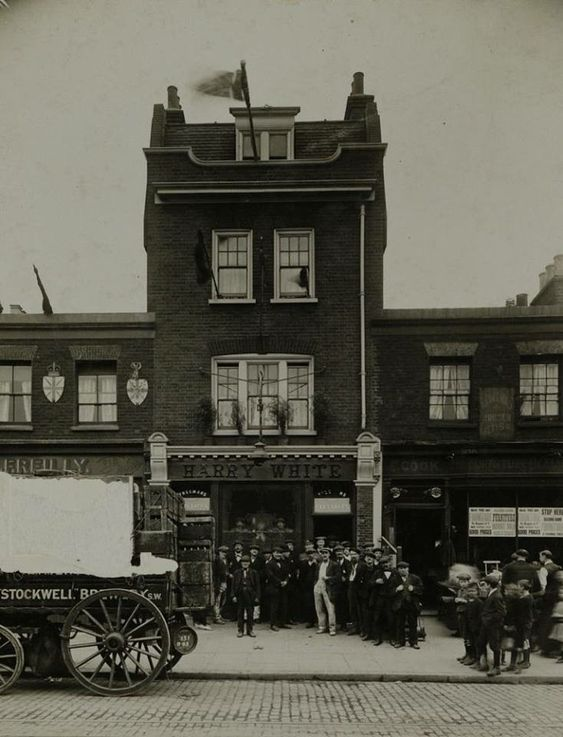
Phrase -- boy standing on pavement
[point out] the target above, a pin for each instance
(246, 594)
(492, 620)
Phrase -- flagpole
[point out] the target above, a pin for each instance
(246, 94)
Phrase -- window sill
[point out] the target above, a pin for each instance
(106, 427)
(293, 300)
(17, 428)
(459, 424)
(265, 433)
(540, 422)
(235, 301)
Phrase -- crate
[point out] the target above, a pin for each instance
(195, 573)
(196, 529)
(196, 597)
(158, 542)
(186, 554)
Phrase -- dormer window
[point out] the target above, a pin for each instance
(273, 133)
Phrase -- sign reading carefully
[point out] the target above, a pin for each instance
(540, 521)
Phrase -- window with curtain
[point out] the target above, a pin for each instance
(449, 391)
(15, 393)
(284, 383)
(539, 389)
(97, 392)
(232, 264)
(294, 264)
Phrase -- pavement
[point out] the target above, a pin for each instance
(284, 709)
(300, 654)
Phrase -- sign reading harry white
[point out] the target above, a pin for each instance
(492, 522)
(137, 389)
(540, 521)
(53, 383)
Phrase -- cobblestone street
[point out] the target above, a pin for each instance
(288, 709)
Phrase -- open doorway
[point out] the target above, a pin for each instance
(420, 533)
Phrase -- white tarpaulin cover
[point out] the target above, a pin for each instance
(69, 525)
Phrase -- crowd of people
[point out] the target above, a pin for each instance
(333, 587)
(509, 612)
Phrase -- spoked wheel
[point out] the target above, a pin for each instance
(115, 642)
(11, 659)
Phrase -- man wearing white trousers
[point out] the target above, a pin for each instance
(324, 589)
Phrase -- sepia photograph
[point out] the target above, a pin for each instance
(281, 330)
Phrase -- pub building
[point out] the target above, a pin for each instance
(75, 393)
(470, 419)
(265, 265)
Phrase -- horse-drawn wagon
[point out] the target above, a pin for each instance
(86, 589)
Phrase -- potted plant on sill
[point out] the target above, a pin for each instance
(207, 418)
(238, 420)
(282, 413)
(322, 415)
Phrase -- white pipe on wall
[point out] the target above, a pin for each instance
(362, 318)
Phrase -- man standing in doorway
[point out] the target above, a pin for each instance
(326, 582)
(246, 594)
(277, 588)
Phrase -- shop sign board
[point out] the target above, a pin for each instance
(333, 505)
(501, 522)
(275, 470)
(540, 522)
(108, 465)
(492, 522)
(496, 410)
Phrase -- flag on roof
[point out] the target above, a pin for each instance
(222, 84)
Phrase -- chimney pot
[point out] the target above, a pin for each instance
(509, 303)
(17, 310)
(558, 265)
(173, 99)
(543, 280)
(358, 84)
(522, 300)
(549, 269)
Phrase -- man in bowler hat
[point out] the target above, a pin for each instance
(406, 604)
(246, 594)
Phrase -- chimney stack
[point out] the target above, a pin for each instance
(510, 303)
(522, 300)
(17, 310)
(173, 99)
(358, 84)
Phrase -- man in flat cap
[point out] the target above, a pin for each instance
(307, 572)
(366, 571)
(220, 572)
(257, 564)
(520, 569)
(324, 590)
(382, 593)
(406, 604)
(246, 595)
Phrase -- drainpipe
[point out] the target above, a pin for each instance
(362, 319)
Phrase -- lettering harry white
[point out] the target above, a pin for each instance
(313, 471)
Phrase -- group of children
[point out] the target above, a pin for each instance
(499, 615)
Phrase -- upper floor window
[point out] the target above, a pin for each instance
(15, 393)
(539, 389)
(270, 145)
(232, 264)
(449, 391)
(271, 395)
(97, 392)
(294, 264)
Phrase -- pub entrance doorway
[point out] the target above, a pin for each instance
(419, 531)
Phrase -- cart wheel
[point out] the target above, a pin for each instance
(115, 642)
(11, 659)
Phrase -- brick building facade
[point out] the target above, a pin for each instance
(467, 405)
(296, 242)
(66, 383)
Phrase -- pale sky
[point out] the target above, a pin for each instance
(469, 93)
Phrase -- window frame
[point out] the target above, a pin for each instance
(216, 235)
(535, 361)
(243, 361)
(12, 423)
(437, 361)
(278, 234)
(263, 144)
(93, 368)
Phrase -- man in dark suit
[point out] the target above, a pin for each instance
(246, 594)
(276, 574)
(382, 585)
(353, 599)
(406, 604)
(307, 570)
(326, 581)
(289, 614)
(365, 572)
(341, 605)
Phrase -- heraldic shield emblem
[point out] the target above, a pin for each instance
(137, 389)
(53, 383)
